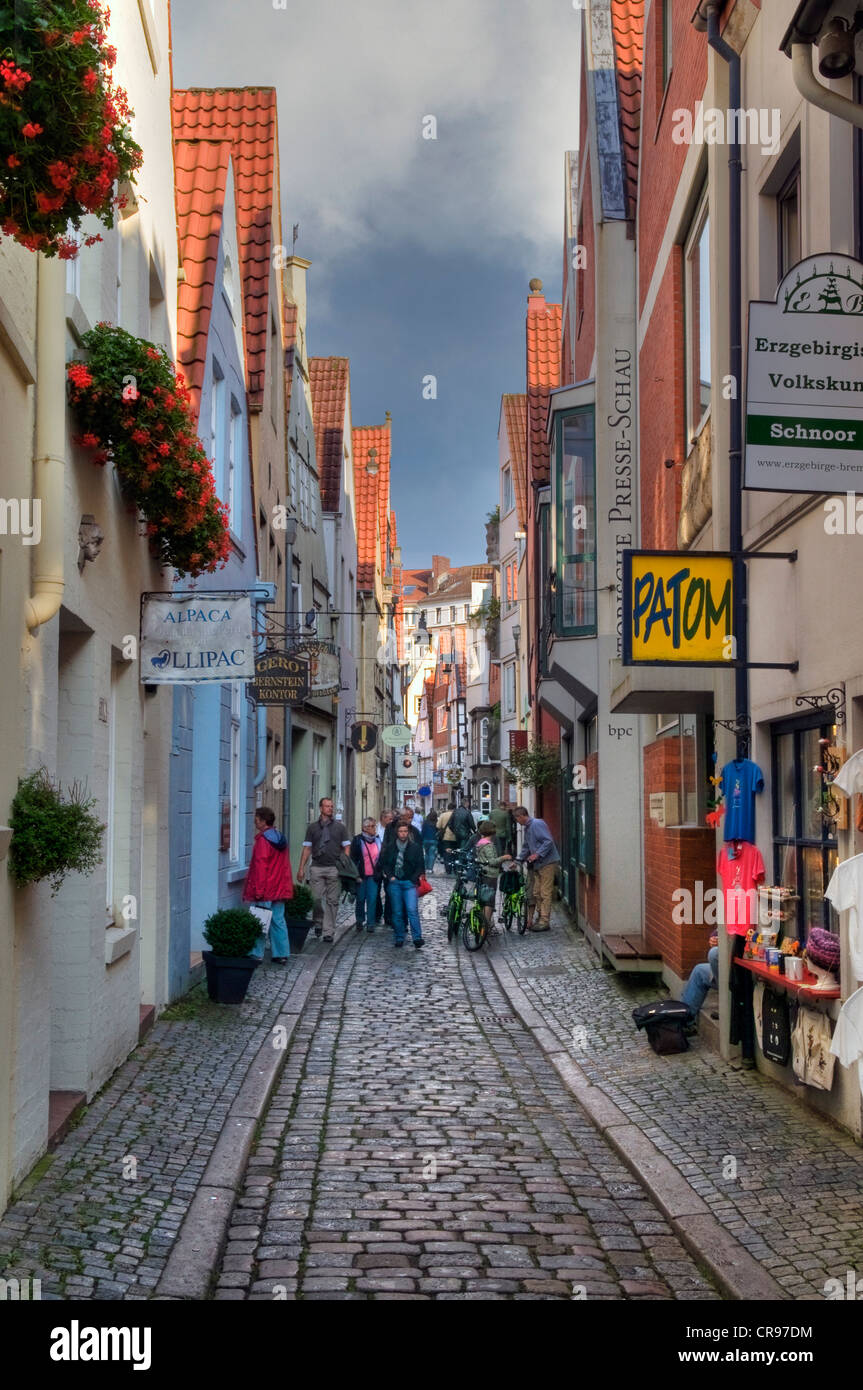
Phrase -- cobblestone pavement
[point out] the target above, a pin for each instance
(92, 1223)
(796, 1203)
(419, 1145)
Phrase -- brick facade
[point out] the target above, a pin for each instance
(674, 858)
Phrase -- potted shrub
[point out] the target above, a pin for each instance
(231, 932)
(297, 909)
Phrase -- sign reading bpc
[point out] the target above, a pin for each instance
(804, 385)
(677, 608)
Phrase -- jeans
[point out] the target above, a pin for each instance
(430, 852)
(703, 978)
(279, 944)
(403, 897)
(326, 887)
(367, 902)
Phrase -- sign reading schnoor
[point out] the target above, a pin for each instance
(677, 608)
(804, 381)
(280, 679)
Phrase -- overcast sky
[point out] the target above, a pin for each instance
(421, 249)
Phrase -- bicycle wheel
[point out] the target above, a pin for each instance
(521, 912)
(474, 929)
(508, 913)
(453, 917)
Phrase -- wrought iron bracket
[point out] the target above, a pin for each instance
(831, 703)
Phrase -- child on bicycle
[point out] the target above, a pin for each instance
(488, 861)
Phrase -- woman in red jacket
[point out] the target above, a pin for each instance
(270, 883)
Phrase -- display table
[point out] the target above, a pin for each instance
(804, 987)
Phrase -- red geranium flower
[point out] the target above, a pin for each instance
(31, 130)
(13, 161)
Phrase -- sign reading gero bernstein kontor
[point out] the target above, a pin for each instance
(196, 636)
(804, 381)
(280, 679)
(677, 608)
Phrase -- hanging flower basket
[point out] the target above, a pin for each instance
(65, 139)
(130, 403)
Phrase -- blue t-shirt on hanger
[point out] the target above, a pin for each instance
(741, 779)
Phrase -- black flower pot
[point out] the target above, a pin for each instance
(228, 977)
(298, 930)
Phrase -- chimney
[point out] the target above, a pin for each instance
(295, 285)
(440, 565)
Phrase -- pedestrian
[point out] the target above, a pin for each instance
(446, 837)
(703, 978)
(429, 835)
(325, 840)
(503, 829)
(365, 852)
(489, 861)
(402, 865)
(463, 825)
(403, 817)
(386, 818)
(416, 818)
(269, 883)
(540, 852)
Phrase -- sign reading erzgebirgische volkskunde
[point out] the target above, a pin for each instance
(197, 636)
(804, 381)
(677, 608)
(280, 679)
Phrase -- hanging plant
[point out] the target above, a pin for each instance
(52, 835)
(64, 126)
(537, 766)
(131, 403)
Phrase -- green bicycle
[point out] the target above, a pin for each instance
(514, 906)
(475, 928)
(458, 899)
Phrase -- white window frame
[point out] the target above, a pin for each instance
(507, 492)
(700, 221)
(485, 798)
(509, 688)
(483, 740)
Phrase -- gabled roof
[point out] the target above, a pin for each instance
(515, 421)
(247, 118)
(200, 171)
(329, 378)
(371, 493)
(543, 375)
(627, 27)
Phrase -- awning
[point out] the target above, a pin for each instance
(661, 689)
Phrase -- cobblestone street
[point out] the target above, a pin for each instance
(424, 1139)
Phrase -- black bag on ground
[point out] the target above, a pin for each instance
(665, 1022)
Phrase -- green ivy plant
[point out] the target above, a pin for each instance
(52, 835)
(536, 766)
(232, 931)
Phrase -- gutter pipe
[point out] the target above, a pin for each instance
(49, 463)
(816, 93)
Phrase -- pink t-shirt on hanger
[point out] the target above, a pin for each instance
(740, 869)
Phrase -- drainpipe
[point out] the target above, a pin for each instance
(816, 93)
(264, 593)
(49, 463)
(740, 624)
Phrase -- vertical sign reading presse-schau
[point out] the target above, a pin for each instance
(197, 637)
(804, 381)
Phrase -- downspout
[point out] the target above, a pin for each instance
(816, 93)
(740, 619)
(49, 463)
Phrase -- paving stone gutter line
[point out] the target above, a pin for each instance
(197, 1252)
(737, 1273)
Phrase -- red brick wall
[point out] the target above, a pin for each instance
(548, 802)
(673, 859)
(662, 410)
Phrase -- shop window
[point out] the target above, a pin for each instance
(575, 523)
(805, 814)
(697, 298)
(485, 797)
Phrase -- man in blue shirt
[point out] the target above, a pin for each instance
(540, 852)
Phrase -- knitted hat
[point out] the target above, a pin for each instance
(822, 947)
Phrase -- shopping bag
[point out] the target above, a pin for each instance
(813, 1060)
(423, 886)
(264, 916)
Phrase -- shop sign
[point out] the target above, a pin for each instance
(396, 735)
(364, 736)
(804, 381)
(196, 636)
(677, 608)
(325, 676)
(280, 679)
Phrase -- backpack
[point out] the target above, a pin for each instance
(664, 1021)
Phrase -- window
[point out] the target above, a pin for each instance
(485, 797)
(236, 769)
(788, 209)
(314, 789)
(228, 279)
(510, 586)
(509, 688)
(438, 618)
(508, 500)
(666, 42)
(697, 296)
(805, 814)
(483, 740)
(442, 723)
(217, 431)
(235, 459)
(575, 524)
(293, 474)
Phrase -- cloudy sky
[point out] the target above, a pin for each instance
(422, 249)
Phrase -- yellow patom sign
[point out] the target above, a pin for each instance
(678, 608)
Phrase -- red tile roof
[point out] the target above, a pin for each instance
(329, 378)
(515, 421)
(371, 493)
(200, 171)
(627, 27)
(543, 335)
(247, 117)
